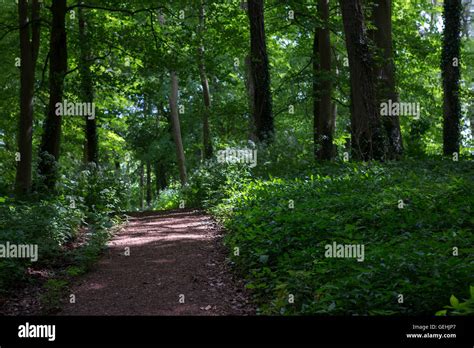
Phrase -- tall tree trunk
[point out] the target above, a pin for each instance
(177, 128)
(87, 88)
(367, 133)
(250, 86)
(50, 142)
(450, 71)
(262, 112)
(385, 72)
(157, 178)
(316, 91)
(160, 173)
(333, 125)
(323, 116)
(148, 183)
(28, 55)
(206, 138)
(141, 184)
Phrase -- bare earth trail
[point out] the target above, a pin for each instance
(172, 254)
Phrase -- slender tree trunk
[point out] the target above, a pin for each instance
(323, 121)
(148, 183)
(87, 88)
(50, 143)
(157, 179)
(141, 185)
(333, 125)
(177, 128)
(385, 71)
(367, 133)
(250, 86)
(262, 113)
(206, 138)
(28, 55)
(160, 173)
(316, 92)
(450, 63)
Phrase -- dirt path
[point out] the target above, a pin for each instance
(172, 254)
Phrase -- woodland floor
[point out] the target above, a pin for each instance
(172, 253)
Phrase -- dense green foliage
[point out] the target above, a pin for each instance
(80, 212)
(408, 250)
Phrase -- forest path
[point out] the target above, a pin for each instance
(171, 254)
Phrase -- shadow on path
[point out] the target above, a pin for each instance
(174, 257)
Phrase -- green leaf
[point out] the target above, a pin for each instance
(454, 301)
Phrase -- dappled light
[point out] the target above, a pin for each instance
(239, 160)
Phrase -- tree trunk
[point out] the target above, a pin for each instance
(316, 92)
(250, 86)
(87, 89)
(141, 185)
(160, 173)
(262, 112)
(148, 183)
(157, 179)
(323, 116)
(367, 134)
(50, 142)
(206, 138)
(385, 72)
(333, 125)
(450, 72)
(177, 128)
(28, 55)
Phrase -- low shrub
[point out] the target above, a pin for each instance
(413, 218)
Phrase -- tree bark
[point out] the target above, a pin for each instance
(206, 138)
(451, 74)
(28, 55)
(385, 72)
(316, 91)
(262, 112)
(160, 174)
(87, 88)
(148, 183)
(367, 134)
(177, 128)
(51, 139)
(250, 86)
(141, 185)
(324, 115)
